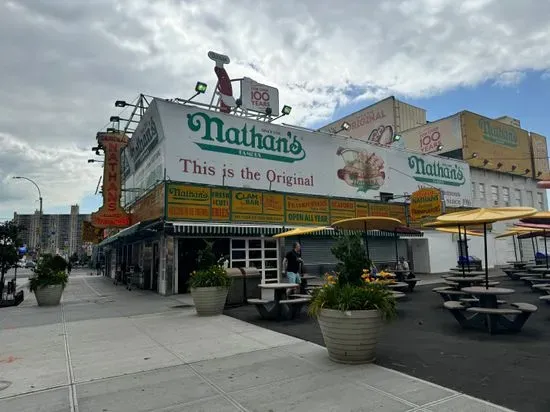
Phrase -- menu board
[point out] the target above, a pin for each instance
(216, 204)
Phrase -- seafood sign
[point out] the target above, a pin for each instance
(212, 148)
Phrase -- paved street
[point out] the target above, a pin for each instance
(107, 349)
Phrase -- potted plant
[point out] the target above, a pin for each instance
(350, 307)
(49, 280)
(209, 284)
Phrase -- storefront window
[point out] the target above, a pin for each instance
(262, 254)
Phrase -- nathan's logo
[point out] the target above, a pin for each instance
(497, 134)
(245, 141)
(436, 172)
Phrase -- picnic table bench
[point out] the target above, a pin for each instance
(281, 306)
(486, 311)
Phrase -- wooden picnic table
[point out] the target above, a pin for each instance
(488, 296)
(467, 273)
(518, 264)
(542, 272)
(465, 281)
(280, 306)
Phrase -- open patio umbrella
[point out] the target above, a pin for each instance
(540, 226)
(300, 231)
(457, 230)
(366, 223)
(485, 216)
(517, 232)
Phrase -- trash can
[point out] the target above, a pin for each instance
(235, 296)
(540, 258)
(472, 262)
(252, 278)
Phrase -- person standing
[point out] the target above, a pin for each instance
(292, 265)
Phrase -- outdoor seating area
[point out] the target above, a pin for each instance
(438, 348)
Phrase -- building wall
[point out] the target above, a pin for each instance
(494, 189)
(61, 233)
(490, 189)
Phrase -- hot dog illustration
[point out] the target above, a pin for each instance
(362, 170)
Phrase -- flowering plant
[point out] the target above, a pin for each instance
(351, 287)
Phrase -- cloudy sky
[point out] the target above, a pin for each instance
(64, 63)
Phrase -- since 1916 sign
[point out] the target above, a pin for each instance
(425, 203)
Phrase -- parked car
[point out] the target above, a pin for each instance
(30, 264)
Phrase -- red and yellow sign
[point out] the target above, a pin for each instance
(111, 213)
(425, 203)
(193, 202)
(307, 210)
(219, 204)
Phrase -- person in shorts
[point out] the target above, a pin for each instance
(292, 265)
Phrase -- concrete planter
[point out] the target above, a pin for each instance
(49, 295)
(350, 337)
(209, 301)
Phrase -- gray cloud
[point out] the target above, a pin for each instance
(65, 63)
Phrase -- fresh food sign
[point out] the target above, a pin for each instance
(213, 148)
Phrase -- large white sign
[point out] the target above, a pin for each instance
(258, 97)
(209, 147)
(143, 164)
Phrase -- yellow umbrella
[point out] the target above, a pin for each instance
(484, 216)
(366, 223)
(457, 230)
(298, 231)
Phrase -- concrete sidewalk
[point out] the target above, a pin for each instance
(107, 349)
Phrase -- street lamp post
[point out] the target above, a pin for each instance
(40, 211)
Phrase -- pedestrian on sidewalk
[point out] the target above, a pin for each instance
(292, 265)
(69, 268)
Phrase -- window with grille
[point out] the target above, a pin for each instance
(494, 195)
(540, 201)
(260, 253)
(518, 197)
(506, 196)
(482, 191)
(530, 200)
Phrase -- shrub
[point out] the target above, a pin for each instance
(49, 270)
(215, 275)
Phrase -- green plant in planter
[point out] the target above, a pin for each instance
(214, 276)
(347, 291)
(49, 270)
(209, 273)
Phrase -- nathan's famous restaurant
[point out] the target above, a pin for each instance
(226, 174)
